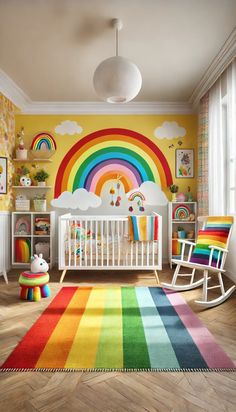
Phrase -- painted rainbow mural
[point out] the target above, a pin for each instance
(104, 154)
(43, 141)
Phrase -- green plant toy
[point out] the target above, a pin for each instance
(174, 188)
(41, 176)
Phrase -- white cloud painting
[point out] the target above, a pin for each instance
(79, 199)
(169, 130)
(68, 127)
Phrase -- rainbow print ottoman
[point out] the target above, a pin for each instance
(34, 286)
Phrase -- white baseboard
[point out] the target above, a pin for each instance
(231, 275)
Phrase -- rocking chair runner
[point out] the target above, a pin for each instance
(209, 255)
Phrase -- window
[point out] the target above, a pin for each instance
(228, 124)
(222, 144)
(230, 160)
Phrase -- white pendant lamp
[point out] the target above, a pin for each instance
(117, 80)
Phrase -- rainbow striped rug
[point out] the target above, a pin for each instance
(118, 328)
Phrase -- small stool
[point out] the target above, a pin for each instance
(34, 286)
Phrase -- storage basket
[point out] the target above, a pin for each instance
(40, 205)
(22, 205)
(44, 248)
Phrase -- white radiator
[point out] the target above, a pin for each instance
(4, 243)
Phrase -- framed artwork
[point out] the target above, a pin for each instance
(3, 175)
(184, 163)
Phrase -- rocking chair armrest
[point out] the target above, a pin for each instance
(218, 248)
(187, 242)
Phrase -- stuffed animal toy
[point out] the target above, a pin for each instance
(38, 264)
(25, 181)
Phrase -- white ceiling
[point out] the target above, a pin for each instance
(50, 48)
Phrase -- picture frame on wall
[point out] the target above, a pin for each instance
(184, 163)
(3, 175)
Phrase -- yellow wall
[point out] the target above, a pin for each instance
(144, 124)
(7, 145)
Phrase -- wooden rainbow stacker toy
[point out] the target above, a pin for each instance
(34, 286)
(34, 283)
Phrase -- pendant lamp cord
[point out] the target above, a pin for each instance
(117, 43)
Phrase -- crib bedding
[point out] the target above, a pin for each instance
(87, 246)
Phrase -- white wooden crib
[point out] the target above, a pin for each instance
(102, 243)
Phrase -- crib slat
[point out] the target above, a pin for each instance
(131, 253)
(69, 242)
(118, 240)
(153, 253)
(96, 240)
(136, 253)
(148, 252)
(142, 252)
(107, 243)
(113, 243)
(102, 242)
(80, 244)
(85, 243)
(91, 243)
(126, 233)
(75, 233)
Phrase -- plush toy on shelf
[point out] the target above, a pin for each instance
(34, 283)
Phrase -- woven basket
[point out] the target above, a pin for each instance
(40, 205)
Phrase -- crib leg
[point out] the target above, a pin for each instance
(157, 277)
(63, 275)
(4, 273)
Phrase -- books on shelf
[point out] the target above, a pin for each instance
(42, 226)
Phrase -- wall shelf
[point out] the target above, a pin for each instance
(32, 160)
(32, 187)
(183, 221)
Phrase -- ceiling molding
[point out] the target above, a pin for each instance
(27, 106)
(107, 108)
(12, 91)
(225, 56)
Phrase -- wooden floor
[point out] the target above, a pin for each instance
(43, 391)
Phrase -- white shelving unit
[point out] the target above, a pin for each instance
(32, 237)
(173, 224)
(33, 191)
(5, 247)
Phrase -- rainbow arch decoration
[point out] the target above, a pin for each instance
(22, 225)
(106, 153)
(136, 194)
(43, 141)
(181, 212)
(22, 250)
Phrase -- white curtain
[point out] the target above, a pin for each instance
(216, 153)
(231, 136)
(222, 130)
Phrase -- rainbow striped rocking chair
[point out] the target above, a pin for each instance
(208, 255)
